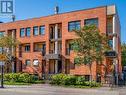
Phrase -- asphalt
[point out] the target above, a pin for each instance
(44, 89)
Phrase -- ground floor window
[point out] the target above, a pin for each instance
(87, 77)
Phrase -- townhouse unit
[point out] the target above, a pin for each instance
(45, 46)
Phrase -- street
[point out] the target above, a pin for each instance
(45, 89)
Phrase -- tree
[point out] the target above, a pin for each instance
(6, 54)
(89, 46)
(123, 51)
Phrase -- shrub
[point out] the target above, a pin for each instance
(62, 79)
(57, 79)
(69, 80)
(18, 77)
(26, 78)
(80, 80)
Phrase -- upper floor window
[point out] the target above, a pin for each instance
(93, 21)
(28, 31)
(35, 31)
(22, 32)
(42, 30)
(74, 25)
(27, 48)
(27, 62)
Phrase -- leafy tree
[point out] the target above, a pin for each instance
(123, 50)
(89, 46)
(6, 54)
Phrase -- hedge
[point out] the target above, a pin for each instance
(19, 77)
(62, 79)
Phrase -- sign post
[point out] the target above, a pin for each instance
(2, 72)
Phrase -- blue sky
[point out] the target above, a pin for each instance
(25, 9)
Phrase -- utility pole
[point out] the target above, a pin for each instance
(2, 71)
(12, 57)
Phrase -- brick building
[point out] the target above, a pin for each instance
(45, 42)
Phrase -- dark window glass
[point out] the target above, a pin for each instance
(35, 30)
(87, 77)
(27, 62)
(93, 21)
(28, 31)
(42, 30)
(27, 48)
(109, 28)
(74, 25)
(22, 32)
(110, 43)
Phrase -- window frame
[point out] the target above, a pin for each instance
(34, 64)
(29, 48)
(41, 32)
(75, 25)
(27, 61)
(22, 31)
(27, 31)
(34, 30)
(92, 19)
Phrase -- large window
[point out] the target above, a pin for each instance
(35, 31)
(27, 48)
(93, 21)
(42, 30)
(27, 62)
(74, 25)
(28, 31)
(22, 32)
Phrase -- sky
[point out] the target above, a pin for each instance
(25, 9)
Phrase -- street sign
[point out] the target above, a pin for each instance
(1, 63)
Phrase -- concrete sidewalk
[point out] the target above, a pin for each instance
(45, 89)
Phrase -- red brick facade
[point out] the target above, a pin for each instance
(63, 19)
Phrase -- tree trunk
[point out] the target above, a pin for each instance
(90, 72)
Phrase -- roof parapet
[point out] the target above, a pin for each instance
(111, 10)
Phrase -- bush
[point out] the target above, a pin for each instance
(80, 80)
(69, 80)
(18, 77)
(57, 79)
(62, 79)
(26, 78)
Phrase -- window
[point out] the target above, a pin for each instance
(110, 43)
(42, 30)
(35, 62)
(109, 27)
(93, 21)
(27, 62)
(74, 25)
(2, 34)
(27, 48)
(87, 77)
(28, 31)
(35, 31)
(22, 32)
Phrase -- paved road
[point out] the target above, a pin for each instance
(54, 90)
